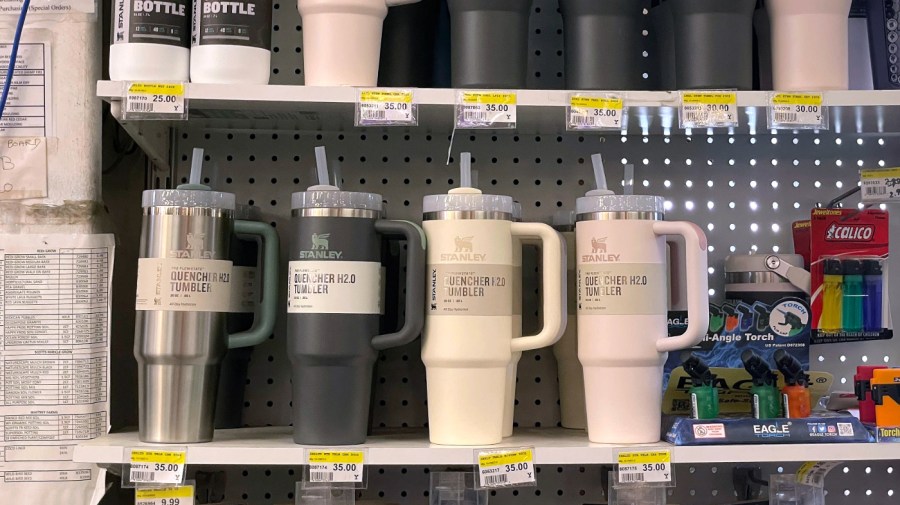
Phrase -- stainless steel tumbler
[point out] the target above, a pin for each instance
(183, 297)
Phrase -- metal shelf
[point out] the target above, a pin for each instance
(557, 446)
(259, 107)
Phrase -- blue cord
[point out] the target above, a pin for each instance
(12, 56)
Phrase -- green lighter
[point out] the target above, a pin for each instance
(766, 400)
(704, 395)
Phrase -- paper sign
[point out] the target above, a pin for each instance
(23, 168)
(513, 467)
(645, 466)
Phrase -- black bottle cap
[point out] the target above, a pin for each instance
(872, 267)
(833, 267)
(853, 267)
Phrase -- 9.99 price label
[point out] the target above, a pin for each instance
(157, 467)
(179, 495)
(639, 467)
(506, 468)
(146, 100)
(336, 466)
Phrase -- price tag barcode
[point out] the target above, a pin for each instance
(336, 466)
(178, 495)
(708, 109)
(146, 100)
(386, 107)
(644, 467)
(595, 112)
(506, 468)
(812, 473)
(880, 185)
(486, 109)
(157, 467)
(797, 111)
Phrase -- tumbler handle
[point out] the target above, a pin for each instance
(697, 284)
(264, 316)
(414, 318)
(554, 303)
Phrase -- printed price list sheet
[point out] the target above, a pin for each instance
(54, 364)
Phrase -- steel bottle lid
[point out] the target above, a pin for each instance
(601, 200)
(331, 197)
(468, 200)
(752, 272)
(738, 263)
(188, 195)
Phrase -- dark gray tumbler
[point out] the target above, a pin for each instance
(602, 43)
(334, 306)
(489, 43)
(714, 43)
(407, 45)
(663, 49)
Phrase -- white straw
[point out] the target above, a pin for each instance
(321, 165)
(629, 179)
(474, 178)
(196, 165)
(465, 170)
(599, 172)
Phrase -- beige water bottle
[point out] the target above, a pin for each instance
(468, 343)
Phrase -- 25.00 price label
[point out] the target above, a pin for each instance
(144, 100)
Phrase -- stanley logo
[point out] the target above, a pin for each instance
(196, 248)
(599, 252)
(320, 248)
(464, 251)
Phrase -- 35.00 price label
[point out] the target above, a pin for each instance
(386, 107)
(595, 112)
(336, 466)
(486, 109)
(644, 467)
(157, 467)
(514, 467)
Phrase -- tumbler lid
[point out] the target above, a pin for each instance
(188, 195)
(757, 262)
(563, 220)
(517, 211)
(247, 212)
(331, 197)
(601, 201)
(467, 199)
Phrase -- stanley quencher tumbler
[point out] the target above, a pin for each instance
(335, 301)
(183, 297)
(468, 338)
(620, 243)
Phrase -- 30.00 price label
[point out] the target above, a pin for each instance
(797, 111)
(708, 109)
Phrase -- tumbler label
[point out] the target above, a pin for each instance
(334, 287)
(470, 290)
(622, 289)
(151, 22)
(232, 22)
(182, 284)
(244, 289)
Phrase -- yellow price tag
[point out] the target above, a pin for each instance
(505, 458)
(489, 97)
(146, 456)
(710, 97)
(596, 102)
(708, 109)
(335, 457)
(797, 99)
(630, 458)
(155, 88)
(384, 95)
(165, 492)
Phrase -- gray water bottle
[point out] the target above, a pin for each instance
(335, 301)
(489, 43)
(714, 43)
(602, 43)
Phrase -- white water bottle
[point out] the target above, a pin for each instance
(150, 40)
(468, 337)
(810, 44)
(230, 41)
(622, 310)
